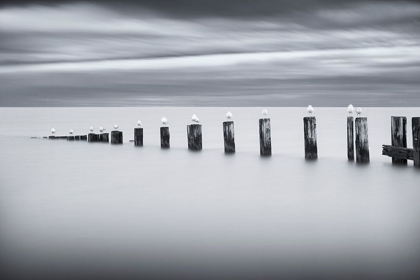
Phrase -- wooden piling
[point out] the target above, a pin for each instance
(164, 137)
(195, 137)
(362, 142)
(52, 137)
(229, 136)
(309, 129)
(83, 137)
(77, 137)
(265, 137)
(70, 138)
(138, 136)
(116, 137)
(104, 137)
(415, 122)
(399, 136)
(350, 138)
(92, 137)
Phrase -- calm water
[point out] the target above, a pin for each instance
(96, 210)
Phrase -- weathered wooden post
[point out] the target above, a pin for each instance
(83, 137)
(229, 134)
(350, 133)
(71, 136)
(77, 137)
(194, 134)
(399, 136)
(415, 123)
(164, 134)
(103, 137)
(92, 137)
(265, 135)
(116, 136)
(309, 131)
(362, 142)
(138, 135)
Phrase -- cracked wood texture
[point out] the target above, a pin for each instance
(397, 152)
(309, 129)
(265, 137)
(399, 136)
(362, 141)
(229, 136)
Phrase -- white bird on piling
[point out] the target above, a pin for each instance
(310, 110)
(164, 120)
(359, 111)
(350, 109)
(53, 130)
(139, 124)
(265, 112)
(91, 129)
(101, 129)
(229, 115)
(71, 131)
(116, 126)
(195, 119)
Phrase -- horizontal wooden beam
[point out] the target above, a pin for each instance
(397, 152)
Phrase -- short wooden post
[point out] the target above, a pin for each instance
(116, 137)
(362, 142)
(229, 136)
(350, 138)
(415, 122)
(195, 137)
(92, 137)
(138, 136)
(309, 128)
(77, 137)
(164, 137)
(52, 137)
(265, 137)
(83, 137)
(70, 138)
(104, 137)
(399, 136)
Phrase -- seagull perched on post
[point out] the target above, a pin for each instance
(53, 131)
(139, 123)
(164, 120)
(350, 109)
(101, 129)
(310, 110)
(265, 112)
(359, 111)
(195, 119)
(116, 126)
(91, 129)
(71, 131)
(229, 115)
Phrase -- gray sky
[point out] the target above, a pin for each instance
(210, 53)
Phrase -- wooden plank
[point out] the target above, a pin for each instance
(309, 131)
(350, 138)
(362, 140)
(229, 136)
(399, 136)
(397, 152)
(265, 137)
(415, 122)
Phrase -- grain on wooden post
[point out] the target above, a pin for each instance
(164, 137)
(265, 135)
(362, 142)
(309, 128)
(229, 136)
(399, 136)
(415, 122)
(350, 138)
(138, 136)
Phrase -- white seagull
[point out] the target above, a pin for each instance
(91, 129)
(116, 126)
(164, 120)
(229, 115)
(139, 123)
(265, 112)
(101, 129)
(195, 119)
(71, 131)
(310, 110)
(53, 130)
(350, 109)
(359, 111)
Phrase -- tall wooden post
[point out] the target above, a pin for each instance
(138, 136)
(195, 137)
(415, 122)
(265, 137)
(229, 136)
(399, 136)
(362, 142)
(350, 138)
(116, 137)
(309, 129)
(164, 137)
